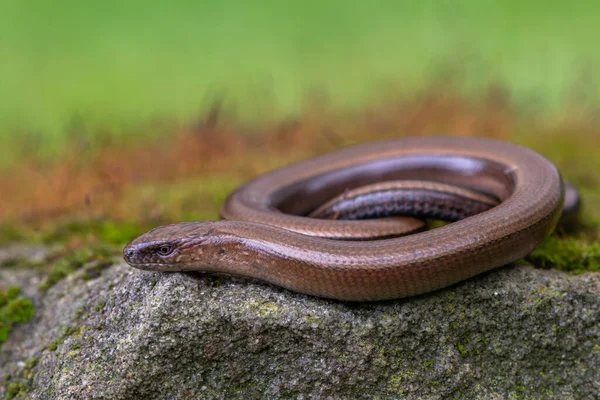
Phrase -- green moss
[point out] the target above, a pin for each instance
(73, 330)
(68, 331)
(15, 389)
(18, 310)
(97, 258)
(20, 385)
(14, 309)
(397, 381)
(58, 271)
(79, 312)
(100, 306)
(73, 245)
(570, 254)
(12, 292)
(541, 296)
(264, 308)
(73, 353)
(314, 321)
(53, 345)
(31, 362)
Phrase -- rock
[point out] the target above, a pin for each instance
(517, 332)
(18, 251)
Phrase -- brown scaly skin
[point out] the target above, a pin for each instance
(294, 252)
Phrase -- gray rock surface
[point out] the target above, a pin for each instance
(517, 332)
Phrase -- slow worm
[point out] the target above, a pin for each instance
(509, 197)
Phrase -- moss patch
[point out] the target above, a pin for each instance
(572, 254)
(19, 386)
(66, 261)
(68, 331)
(14, 309)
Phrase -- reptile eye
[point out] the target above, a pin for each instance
(164, 250)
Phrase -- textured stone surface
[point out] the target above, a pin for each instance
(517, 332)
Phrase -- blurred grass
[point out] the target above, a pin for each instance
(70, 68)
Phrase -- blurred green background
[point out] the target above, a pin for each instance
(111, 66)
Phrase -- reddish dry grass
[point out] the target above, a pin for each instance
(93, 183)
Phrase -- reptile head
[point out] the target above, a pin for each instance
(175, 247)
